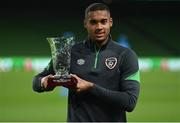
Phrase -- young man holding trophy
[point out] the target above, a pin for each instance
(102, 76)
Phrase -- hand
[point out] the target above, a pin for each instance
(45, 83)
(82, 85)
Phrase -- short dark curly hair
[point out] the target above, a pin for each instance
(95, 7)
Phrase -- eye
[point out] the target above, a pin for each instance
(104, 21)
(93, 22)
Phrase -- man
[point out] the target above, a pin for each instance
(107, 74)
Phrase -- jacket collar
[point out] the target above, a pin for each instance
(91, 44)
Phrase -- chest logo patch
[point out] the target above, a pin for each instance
(80, 61)
(111, 62)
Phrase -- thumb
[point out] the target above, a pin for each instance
(73, 75)
(50, 76)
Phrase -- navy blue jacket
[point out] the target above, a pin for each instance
(114, 71)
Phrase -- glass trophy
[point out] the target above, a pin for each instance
(61, 57)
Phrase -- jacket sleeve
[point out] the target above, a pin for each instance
(36, 84)
(128, 93)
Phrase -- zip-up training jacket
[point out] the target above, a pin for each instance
(114, 71)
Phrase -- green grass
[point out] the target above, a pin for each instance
(159, 99)
(18, 102)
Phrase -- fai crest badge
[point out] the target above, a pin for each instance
(111, 62)
(80, 61)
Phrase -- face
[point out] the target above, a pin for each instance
(98, 24)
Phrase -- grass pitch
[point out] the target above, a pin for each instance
(159, 99)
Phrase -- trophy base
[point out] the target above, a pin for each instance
(62, 78)
(66, 81)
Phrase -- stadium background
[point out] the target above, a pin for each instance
(151, 27)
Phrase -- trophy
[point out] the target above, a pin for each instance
(61, 57)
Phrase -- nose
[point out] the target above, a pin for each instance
(99, 26)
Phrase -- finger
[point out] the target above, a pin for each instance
(50, 76)
(74, 75)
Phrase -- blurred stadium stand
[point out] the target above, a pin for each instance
(151, 26)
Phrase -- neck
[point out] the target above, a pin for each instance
(99, 44)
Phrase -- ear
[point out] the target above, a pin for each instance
(85, 23)
(111, 22)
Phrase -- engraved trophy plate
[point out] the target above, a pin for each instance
(61, 56)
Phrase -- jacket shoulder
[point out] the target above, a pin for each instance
(121, 49)
(117, 47)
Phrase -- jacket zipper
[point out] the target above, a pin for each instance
(96, 58)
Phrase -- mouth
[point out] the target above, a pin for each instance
(100, 34)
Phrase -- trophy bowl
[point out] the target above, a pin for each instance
(61, 57)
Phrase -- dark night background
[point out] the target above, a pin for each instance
(26, 24)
